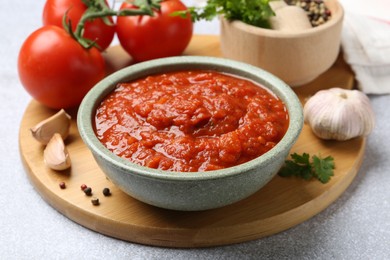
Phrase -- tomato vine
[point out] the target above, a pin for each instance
(100, 9)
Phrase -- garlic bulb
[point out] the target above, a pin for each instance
(339, 114)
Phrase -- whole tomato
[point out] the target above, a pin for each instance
(56, 70)
(95, 30)
(150, 37)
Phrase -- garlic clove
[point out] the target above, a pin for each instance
(339, 114)
(56, 155)
(58, 123)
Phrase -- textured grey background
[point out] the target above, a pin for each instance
(356, 226)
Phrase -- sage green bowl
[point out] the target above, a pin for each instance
(195, 190)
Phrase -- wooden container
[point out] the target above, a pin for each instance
(295, 57)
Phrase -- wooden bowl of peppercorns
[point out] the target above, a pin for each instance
(295, 56)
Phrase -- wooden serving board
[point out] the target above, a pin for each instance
(281, 204)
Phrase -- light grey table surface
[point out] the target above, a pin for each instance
(356, 226)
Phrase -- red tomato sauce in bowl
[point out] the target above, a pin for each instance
(190, 121)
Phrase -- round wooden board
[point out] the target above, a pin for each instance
(281, 204)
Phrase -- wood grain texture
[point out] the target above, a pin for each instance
(281, 204)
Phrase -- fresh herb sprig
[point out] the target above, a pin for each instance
(253, 12)
(301, 166)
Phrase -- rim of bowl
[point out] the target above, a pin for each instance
(90, 102)
(336, 19)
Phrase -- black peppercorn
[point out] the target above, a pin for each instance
(95, 201)
(106, 192)
(88, 191)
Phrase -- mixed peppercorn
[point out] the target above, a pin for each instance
(106, 192)
(62, 185)
(316, 10)
(88, 192)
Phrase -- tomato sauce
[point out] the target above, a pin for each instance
(190, 121)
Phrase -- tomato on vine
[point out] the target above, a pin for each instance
(161, 35)
(101, 30)
(56, 70)
(59, 65)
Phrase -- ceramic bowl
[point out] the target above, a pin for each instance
(295, 57)
(194, 190)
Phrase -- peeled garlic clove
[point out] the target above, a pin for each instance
(339, 114)
(56, 155)
(58, 123)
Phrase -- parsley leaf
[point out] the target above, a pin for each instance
(323, 168)
(301, 166)
(253, 12)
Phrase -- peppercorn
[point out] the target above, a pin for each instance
(62, 185)
(106, 192)
(83, 186)
(88, 191)
(95, 201)
(316, 10)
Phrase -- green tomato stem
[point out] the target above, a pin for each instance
(90, 16)
(100, 9)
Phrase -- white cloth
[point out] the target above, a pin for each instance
(366, 46)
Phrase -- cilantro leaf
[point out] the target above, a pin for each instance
(301, 166)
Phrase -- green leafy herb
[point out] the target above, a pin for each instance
(301, 166)
(253, 12)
